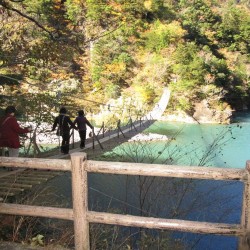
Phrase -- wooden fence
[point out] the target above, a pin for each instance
(81, 216)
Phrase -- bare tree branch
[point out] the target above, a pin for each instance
(6, 6)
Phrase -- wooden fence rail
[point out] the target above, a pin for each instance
(81, 216)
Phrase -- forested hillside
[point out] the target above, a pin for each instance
(84, 53)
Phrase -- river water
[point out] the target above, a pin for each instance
(225, 146)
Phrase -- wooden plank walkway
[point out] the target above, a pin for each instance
(112, 138)
(109, 141)
(16, 182)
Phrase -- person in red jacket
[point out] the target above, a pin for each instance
(10, 131)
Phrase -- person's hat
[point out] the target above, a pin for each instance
(10, 109)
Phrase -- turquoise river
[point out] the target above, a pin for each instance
(224, 146)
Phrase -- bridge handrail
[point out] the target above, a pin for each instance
(80, 166)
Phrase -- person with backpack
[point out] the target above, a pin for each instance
(10, 131)
(64, 124)
(81, 122)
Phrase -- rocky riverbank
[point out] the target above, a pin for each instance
(203, 114)
(148, 137)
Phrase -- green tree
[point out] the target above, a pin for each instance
(234, 31)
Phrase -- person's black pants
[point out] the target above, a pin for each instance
(82, 134)
(65, 143)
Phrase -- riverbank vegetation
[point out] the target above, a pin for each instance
(85, 53)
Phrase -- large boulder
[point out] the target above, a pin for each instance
(207, 113)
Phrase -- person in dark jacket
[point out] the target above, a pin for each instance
(64, 125)
(81, 122)
(10, 131)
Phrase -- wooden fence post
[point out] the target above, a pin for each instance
(244, 241)
(80, 200)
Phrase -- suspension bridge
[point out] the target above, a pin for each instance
(125, 132)
(19, 181)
